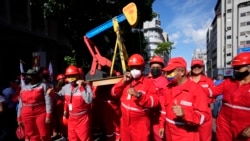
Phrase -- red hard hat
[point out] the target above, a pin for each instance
(60, 76)
(45, 71)
(80, 71)
(241, 59)
(136, 60)
(157, 59)
(72, 70)
(65, 121)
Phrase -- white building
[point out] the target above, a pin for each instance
(154, 35)
(228, 34)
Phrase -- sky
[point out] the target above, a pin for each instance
(186, 22)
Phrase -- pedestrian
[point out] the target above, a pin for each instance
(58, 128)
(184, 103)
(107, 106)
(35, 108)
(218, 100)
(78, 97)
(233, 122)
(198, 76)
(3, 133)
(10, 110)
(156, 65)
(138, 96)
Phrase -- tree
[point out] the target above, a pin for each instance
(164, 47)
(77, 17)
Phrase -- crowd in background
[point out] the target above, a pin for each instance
(168, 104)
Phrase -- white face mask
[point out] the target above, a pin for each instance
(135, 73)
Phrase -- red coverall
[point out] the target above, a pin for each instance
(135, 120)
(160, 83)
(78, 103)
(34, 106)
(109, 106)
(205, 129)
(234, 116)
(190, 97)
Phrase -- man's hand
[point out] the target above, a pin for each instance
(50, 91)
(80, 82)
(47, 120)
(65, 114)
(161, 132)
(246, 132)
(20, 123)
(132, 91)
(126, 77)
(178, 110)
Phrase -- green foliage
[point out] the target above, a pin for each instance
(75, 18)
(71, 60)
(164, 47)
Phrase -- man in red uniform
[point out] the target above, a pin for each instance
(233, 121)
(197, 75)
(160, 81)
(185, 104)
(78, 98)
(108, 106)
(35, 108)
(137, 95)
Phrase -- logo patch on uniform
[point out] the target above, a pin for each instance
(186, 103)
(204, 85)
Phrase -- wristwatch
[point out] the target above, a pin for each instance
(139, 94)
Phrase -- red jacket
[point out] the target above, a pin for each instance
(206, 83)
(79, 97)
(31, 95)
(235, 112)
(136, 106)
(190, 97)
(161, 85)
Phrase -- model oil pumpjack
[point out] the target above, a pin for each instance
(95, 74)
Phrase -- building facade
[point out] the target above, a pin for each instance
(27, 35)
(154, 35)
(228, 34)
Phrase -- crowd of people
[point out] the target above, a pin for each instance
(168, 104)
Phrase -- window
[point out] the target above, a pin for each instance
(248, 22)
(247, 42)
(242, 24)
(229, 46)
(248, 13)
(242, 14)
(229, 37)
(242, 33)
(242, 43)
(229, 10)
